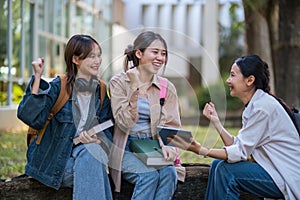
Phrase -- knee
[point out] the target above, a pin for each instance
(221, 168)
(172, 175)
(215, 164)
(149, 177)
(88, 159)
(168, 174)
(95, 151)
(216, 168)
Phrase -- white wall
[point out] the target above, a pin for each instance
(9, 120)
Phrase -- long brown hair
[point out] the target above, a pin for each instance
(78, 45)
(142, 41)
(253, 65)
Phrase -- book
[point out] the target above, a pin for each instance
(96, 129)
(165, 132)
(149, 151)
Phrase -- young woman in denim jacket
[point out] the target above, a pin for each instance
(135, 96)
(56, 161)
(263, 159)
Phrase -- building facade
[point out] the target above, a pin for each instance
(41, 28)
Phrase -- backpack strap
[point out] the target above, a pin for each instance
(162, 97)
(62, 98)
(296, 116)
(60, 102)
(102, 92)
(163, 89)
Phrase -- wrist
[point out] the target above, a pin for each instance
(37, 76)
(134, 88)
(203, 151)
(218, 127)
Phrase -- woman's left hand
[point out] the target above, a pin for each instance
(169, 153)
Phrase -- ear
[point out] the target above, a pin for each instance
(75, 60)
(250, 80)
(138, 54)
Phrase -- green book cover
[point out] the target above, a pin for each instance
(149, 151)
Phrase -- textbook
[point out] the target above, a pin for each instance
(96, 129)
(165, 132)
(149, 151)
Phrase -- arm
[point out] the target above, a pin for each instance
(124, 102)
(39, 98)
(34, 109)
(197, 148)
(38, 68)
(210, 112)
(247, 140)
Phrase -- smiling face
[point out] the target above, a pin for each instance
(153, 58)
(90, 65)
(240, 86)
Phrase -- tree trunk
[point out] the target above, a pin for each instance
(257, 33)
(272, 31)
(286, 52)
(193, 188)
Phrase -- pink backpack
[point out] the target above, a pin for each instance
(162, 96)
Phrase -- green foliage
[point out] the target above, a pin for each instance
(255, 4)
(205, 94)
(17, 94)
(231, 40)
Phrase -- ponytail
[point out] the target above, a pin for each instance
(254, 65)
(130, 58)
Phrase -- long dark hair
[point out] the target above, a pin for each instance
(142, 41)
(253, 65)
(78, 45)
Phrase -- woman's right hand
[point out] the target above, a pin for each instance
(38, 66)
(210, 112)
(193, 146)
(133, 75)
(84, 138)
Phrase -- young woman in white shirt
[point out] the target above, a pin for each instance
(263, 159)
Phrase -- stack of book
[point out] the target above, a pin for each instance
(149, 151)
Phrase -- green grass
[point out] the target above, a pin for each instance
(208, 137)
(12, 154)
(13, 149)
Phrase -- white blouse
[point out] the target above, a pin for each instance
(269, 135)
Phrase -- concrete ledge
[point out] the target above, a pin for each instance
(9, 120)
(26, 188)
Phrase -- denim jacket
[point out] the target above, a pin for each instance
(46, 162)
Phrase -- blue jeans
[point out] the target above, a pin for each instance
(150, 183)
(86, 173)
(227, 179)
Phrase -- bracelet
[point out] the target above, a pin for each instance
(210, 149)
(204, 151)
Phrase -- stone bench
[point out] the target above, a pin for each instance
(26, 188)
